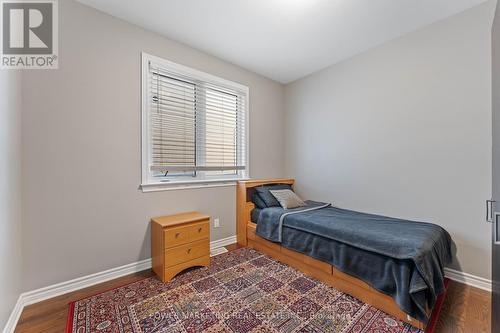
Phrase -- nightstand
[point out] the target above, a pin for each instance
(179, 242)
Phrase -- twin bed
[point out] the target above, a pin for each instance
(392, 264)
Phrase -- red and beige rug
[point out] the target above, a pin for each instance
(242, 291)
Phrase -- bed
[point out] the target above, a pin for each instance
(404, 279)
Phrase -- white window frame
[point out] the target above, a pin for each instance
(148, 183)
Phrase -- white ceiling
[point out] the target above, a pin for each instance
(282, 39)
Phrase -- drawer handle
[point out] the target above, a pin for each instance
(199, 229)
(189, 251)
(177, 235)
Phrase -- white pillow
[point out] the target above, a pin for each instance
(287, 199)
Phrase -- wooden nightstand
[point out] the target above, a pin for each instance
(179, 242)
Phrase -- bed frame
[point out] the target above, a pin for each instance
(318, 269)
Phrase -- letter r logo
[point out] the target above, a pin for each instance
(27, 27)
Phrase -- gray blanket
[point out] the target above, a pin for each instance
(403, 259)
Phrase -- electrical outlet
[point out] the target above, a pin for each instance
(216, 222)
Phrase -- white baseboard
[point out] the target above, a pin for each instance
(42, 294)
(468, 279)
(14, 317)
(58, 289)
(223, 242)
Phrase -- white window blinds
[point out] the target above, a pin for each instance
(197, 128)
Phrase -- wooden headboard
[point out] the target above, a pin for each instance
(244, 204)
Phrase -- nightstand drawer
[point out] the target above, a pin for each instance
(184, 253)
(199, 231)
(171, 271)
(176, 236)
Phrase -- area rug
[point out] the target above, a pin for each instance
(242, 291)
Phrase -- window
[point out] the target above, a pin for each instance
(194, 126)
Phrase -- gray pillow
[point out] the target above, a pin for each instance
(266, 197)
(287, 199)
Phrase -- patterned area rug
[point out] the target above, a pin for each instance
(242, 291)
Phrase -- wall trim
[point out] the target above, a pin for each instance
(14, 317)
(58, 289)
(223, 242)
(468, 279)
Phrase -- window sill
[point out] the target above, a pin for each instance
(188, 185)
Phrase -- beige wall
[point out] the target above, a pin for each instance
(83, 212)
(404, 130)
(10, 192)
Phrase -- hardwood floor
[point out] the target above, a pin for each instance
(466, 309)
